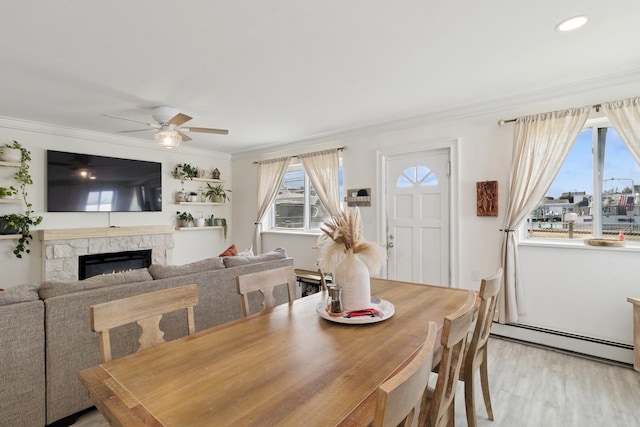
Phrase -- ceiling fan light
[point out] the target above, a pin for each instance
(167, 139)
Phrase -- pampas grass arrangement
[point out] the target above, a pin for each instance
(343, 233)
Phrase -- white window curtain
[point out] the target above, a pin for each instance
(541, 144)
(625, 117)
(270, 174)
(322, 169)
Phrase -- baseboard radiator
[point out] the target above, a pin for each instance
(606, 351)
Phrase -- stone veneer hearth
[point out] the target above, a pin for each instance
(61, 248)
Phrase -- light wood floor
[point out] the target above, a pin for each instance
(535, 387)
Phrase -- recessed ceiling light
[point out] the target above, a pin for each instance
(571, 24)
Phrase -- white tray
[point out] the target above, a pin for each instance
(385, 308)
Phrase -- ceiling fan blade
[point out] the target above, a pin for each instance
(136, 130)
(184, 136)
(207, 130)
(179, 119)
(153, 125)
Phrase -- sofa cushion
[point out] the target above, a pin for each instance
(165, 271)
(52, 289)
(235, 261)
(20, 293)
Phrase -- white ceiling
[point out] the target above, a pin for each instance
(278, 71)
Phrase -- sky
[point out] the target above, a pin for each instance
(576, 173)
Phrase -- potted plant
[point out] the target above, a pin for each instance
(184, 219)
(21, 222)
(217, 193)
(182, 172)
(221, 222)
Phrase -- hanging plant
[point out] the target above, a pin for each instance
(22, 223)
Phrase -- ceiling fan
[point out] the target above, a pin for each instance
(169, 130)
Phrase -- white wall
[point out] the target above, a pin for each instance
(189, 246)
(579, 299)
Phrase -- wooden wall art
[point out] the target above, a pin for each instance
(487, 198)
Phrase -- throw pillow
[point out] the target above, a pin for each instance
(53, 289)
(230, 251)
(236, 261)
(164, 271)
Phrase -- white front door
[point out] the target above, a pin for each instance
(417, 214)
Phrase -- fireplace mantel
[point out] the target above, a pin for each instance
(87, 233)
(61, 248)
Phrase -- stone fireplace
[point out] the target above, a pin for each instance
(63, 248)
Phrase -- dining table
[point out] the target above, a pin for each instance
(286, 366)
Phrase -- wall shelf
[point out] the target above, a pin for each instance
(205, 180)
(13, 236)
(11, 164)
(200, 203)
(11, 201)
(194, 228)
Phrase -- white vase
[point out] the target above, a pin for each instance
(199, 222)
(352, 275)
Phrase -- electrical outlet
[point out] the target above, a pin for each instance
(476, 276)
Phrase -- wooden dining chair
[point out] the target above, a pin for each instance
(476, 352)
(438, 404)
(265, 282)
(399, 398)
(146, 310)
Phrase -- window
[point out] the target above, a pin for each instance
(599, 182)
(297, 206)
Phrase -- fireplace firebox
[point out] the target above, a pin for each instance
(116, 262)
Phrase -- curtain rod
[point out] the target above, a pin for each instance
(297, 155)
(504, 122)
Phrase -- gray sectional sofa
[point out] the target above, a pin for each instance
(45, 335)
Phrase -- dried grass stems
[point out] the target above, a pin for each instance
(343, 233)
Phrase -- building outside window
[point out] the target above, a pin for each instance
(297, 206)
(599, 182)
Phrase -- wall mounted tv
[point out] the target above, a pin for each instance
(88, 183)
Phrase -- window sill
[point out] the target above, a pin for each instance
(631, 245)
(314, 233)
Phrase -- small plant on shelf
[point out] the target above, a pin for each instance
(222, 222)
(184, 218)
(217, 193)
(184, 171)
(21, 223)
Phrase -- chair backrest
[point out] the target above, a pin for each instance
(400, 397)
(489, 289)
(454, 338)
(145, 309)
(265, 281)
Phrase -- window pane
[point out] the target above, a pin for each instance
(297, 204)
(572, 191)
(619, 188)
(289, 203)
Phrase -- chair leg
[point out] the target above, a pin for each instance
(469, 400)
(484, 383)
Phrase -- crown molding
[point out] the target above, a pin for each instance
(98, 137)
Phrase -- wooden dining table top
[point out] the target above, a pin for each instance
(286, 366)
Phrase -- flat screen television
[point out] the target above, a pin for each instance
(89, 183)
